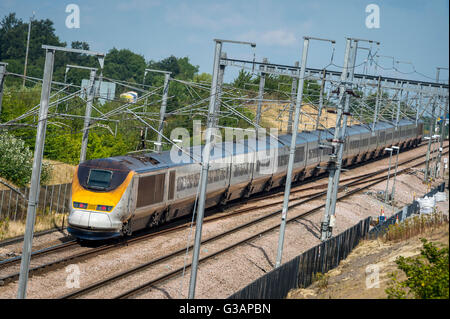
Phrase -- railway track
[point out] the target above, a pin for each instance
(358, 178)
(91, 252)
(18, 239)
(353, 181)
(40, 252)
(157, 261)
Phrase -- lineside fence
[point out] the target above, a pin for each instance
(300, 271)
(52, 199)
(408, 210)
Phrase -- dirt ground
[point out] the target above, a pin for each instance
(351, 279)
(277, 115)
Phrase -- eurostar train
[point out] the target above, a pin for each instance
(118, 195)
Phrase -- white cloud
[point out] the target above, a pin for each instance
(278, 37)
(211, 17)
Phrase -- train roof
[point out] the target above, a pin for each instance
(167, 159)
(309, 136)
(380, 126)
(326, 134)
(288, 137)
(355, 130)
(406, 122)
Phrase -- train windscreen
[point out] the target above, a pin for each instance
(102, 175)
(99, 179)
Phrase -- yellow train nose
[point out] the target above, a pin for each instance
(98, 207)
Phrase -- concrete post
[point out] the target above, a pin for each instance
(87, 116)
(36, 174)
(395, 173)
(204, 172)
(433, 121)
(205, 162)
(442, 133)
(219, 89)
(397, 118)
(434, 157)
(340, 148)
(322, 88)
(377, 105)
(101, 61)
(389, 174)
(293, 98)
(26, 52)
(338, 140)
(262, 80)
(418, 107)
(162, 112)
(441, 130)
(2, 80)
(292, 152)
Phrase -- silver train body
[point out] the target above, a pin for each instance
(152, 189)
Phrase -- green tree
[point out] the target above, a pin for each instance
(203, 77)
(168, 64)
(124, 65)
(187, 70)
(16, 161)
(427, 275)
(242, 78)
(13, 40)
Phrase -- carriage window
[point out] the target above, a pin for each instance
(365, 142)
(150, 190)
(299, 154)
(313, 153)
(262, 163)
(241, 169)
(99, 179)
(283, 160)
(354, 144)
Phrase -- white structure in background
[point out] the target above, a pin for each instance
(440, 197)
(107, 90)
(427, 204)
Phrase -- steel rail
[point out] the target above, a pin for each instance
(39, 252)
(164, 277)
(97, 250)
(311, 197)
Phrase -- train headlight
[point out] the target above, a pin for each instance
(104, 208)
(80, 205)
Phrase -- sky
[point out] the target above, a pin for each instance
(415, 33)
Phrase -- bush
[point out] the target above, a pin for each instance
(4, 227)
(16, 161)
(322, 281)
(414, 225)
(427, 275)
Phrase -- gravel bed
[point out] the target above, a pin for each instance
(222, 275)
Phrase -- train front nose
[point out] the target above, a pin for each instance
(86, 224)
(97, 204)
(90, 220)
